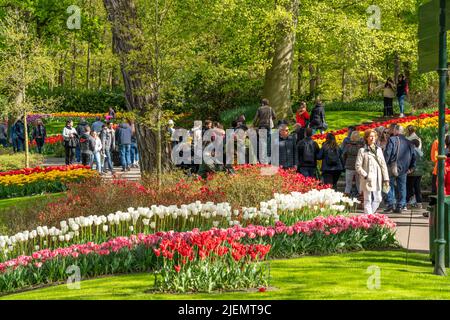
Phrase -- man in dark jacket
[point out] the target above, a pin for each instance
(81, 129)
(264, 120)
(123, 139)
(287, 148)
(307, 150)
(19, 130)
(97, 125)
(87, 146)
(317, 118)
(401, 151)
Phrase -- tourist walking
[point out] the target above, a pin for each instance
(349, 156)
(39, 134)
(332, 166)
(382, 137)
(81, 129)
(4, 134)
(134, 151)
(402, 92)
(264, 120)
(70, 137)
(111, 114)
(108, 145)
(413, 181)
(87, 147)
(373, 173)
(412, 135)
(123, 139)
(98, 150)
(19, 135)
(97, 125)
(307, 150)
(287, 148)
(347, 139)
(389, 95)
(317, 118)
(400, 159)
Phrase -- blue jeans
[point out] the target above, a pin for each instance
(397, 193)
(401, 103)
(125, 155)
(98, 162)
(78, 154)
(20, 145)
(134, 153)
(108, 161)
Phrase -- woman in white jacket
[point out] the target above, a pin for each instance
(97, 151)
(373, 172)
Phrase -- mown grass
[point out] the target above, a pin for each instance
(342, 276)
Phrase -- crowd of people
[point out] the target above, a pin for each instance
(97, 144)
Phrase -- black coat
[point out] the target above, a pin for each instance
(301, 151)
(288, 152)
(317, 118)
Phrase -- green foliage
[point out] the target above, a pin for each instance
(80, 100)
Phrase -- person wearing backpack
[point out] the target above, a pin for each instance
(401, 160)
(414, 178)
(87, 146)
(317, 118)
(349, 155)
(372, 171)
(307, 150)
(332, 166)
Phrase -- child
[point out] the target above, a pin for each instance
(414, 178)
(97, 152)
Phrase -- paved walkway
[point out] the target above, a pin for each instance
(411, 225)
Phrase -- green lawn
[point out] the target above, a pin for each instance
(329, 277)
(341, 119)
(27, 201)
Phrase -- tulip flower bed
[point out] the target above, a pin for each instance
(286, 208)
(247, 188)
(181, 259)
(36, 181)
(426, 120)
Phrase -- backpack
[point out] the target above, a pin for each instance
(332, 158)
(309, 151)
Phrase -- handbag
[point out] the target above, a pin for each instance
(393, 168)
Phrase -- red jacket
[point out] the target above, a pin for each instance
(301, 118)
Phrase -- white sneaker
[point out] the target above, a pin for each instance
(402, 115)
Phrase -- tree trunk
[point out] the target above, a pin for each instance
(277, 84)
(300, 75)
(343, 85)
(74, 66)
(396, 67)
(88, 65)
(312, 81)
(369, 84)
(100, 71)
(126, 32)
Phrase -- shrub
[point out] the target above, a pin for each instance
(79, 100)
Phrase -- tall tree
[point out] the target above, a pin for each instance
(277, 85)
